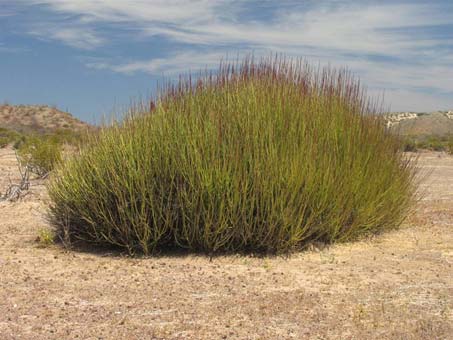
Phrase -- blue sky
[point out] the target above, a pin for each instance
(94, 57)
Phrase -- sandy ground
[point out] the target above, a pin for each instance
(395, 286)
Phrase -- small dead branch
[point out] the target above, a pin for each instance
(16, 191)
(38, 170)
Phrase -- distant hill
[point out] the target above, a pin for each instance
(44, 119)
(38, 118)
(418, 124)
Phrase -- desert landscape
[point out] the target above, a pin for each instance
(398, 285)
(38, 118)
(238, 170)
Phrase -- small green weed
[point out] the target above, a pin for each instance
(45, 238)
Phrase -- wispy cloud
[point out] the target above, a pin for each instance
(6, 12)
(78, 37)
(9, 49)
(347, 26)
(390, 44)
(175, 64)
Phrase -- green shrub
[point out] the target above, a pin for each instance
(261, 157)
(434, 143)
(8, 137)
(450, 146)
(4, 141)
(410, 145)
(67, 136)
(430, 142)
(19, 142)
(40, 152)
(45, 238)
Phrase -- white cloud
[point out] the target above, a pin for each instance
(347, 26)
(78, 37)
(170, 65)
(135, 11)
(371, 39)
(6, 12)
(173, 65)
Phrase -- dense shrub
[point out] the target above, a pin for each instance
(259, 157)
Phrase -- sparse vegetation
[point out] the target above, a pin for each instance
(8, 137)
(45, 238)
(38, 119)
(16, 190)
(4, 141)
(265, 156)
(41, 152)
(450, 146)
(410, 145)
(433, 143)
(36, 154)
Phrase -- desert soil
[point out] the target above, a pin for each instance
(395, 286)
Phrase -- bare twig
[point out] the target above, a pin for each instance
(38, 170)
(16, 191)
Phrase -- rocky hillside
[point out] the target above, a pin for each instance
(38, 118)
(438, 123)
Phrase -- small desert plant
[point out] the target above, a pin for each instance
(435, 143)
(40, 152)
(18, 142)
(67, 136)
(8, 137)
(430, 142)
(266, 156)
(4, 141)
(450, 145)
(410, 145)
(45, 238)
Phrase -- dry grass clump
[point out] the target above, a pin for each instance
(262, 156)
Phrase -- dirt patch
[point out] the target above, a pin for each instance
(395, 286)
